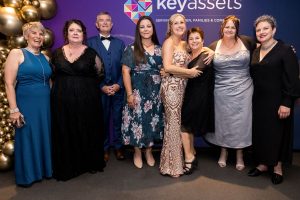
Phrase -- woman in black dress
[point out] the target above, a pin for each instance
(274, 69)
(77, 122)
(197, 108)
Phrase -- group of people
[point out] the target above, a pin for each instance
(97, 93)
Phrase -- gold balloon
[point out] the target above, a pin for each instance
(3, 122)
(36, 3)
(3, 47)
(7, 129)
(3, 44)
(3, 56)
(47, 8)
(47, 52)
(10, 21)
(8, 136)
(26, 2)
(49, 38)
(5, 162)
(8, 148)
(17, 41)
(13, 3)
(30, 13)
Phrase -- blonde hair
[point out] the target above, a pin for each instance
(32, 25)
(170, 22)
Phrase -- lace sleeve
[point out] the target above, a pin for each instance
(99, 68)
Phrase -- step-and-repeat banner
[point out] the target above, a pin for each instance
(207, 14)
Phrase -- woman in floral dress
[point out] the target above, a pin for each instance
(143, 114)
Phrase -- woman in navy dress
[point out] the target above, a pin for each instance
(77, 117)
(143, 114)
(27, 77)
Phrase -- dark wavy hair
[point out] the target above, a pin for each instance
(68, 24)
(196, 29)
(139, 51)
(236, 22)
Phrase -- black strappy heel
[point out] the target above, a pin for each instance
(190, 170)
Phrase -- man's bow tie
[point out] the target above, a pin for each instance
(105, 38)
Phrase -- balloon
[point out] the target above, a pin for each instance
(30, 13)
(26, 2)
(1, 132)
(47, 8)
(17, 41)
(5, 162)
(36, 3)
(10, 21)
(49, 38)
(3, 56)
(13, 3)
(2, 122)
(4, 48)
(8, 148)
(47, 52)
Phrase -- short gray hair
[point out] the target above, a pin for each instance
(266, 18)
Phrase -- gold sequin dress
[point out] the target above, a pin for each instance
(172, 91)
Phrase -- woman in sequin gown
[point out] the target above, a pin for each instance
(175, 58)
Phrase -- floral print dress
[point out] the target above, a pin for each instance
(143, 125)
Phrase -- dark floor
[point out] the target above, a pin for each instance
(122, 181)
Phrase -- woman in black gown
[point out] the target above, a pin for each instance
(77, 122)
(274, 69)
(197, 109)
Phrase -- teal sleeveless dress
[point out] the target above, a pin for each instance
(32, 141)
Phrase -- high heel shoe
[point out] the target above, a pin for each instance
(188, 170)
(240, 165)
(255, 172)
(223, 159)
(149, 158)
(138, 162)
(276, 178)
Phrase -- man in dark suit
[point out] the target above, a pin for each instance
(110, 49)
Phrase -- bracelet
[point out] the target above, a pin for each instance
(15, 110)
(129, 95)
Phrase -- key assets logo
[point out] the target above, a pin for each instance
(134, 9)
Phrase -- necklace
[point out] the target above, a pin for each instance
(265, 48)
(42, 69)
(70, 52)
(35, 52)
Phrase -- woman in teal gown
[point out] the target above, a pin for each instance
(29, 101)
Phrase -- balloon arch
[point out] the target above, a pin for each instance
(13, 14)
